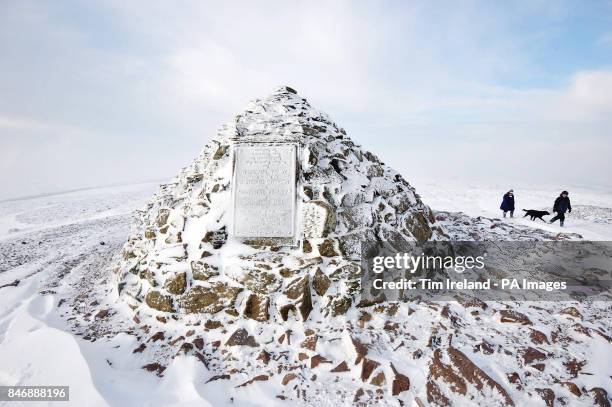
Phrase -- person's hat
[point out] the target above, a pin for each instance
(565, 192)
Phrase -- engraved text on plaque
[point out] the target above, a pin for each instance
(264, 191)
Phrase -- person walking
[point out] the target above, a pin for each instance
(562, 205)
(507, 204)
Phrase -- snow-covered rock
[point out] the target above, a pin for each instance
(182, 258)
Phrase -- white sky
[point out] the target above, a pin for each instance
(111, 92)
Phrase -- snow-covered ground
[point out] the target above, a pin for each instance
(56, 249)
(591, 216)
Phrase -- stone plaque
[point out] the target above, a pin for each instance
(264, 191)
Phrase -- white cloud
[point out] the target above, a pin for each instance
(154, 78)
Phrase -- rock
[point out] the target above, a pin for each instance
(358, 394)
(515, 379)
(600, 397)
(186, 347)
(307, 189)
(351, 199)
(306, 247)
(400, 383)
(360, 349)
(158, 336)
(256, 307)
(341, 368)
(353, 245)
(399, 242)
(463, 370)
(486, 348)
(211, 324)
(194, 179)
(572, 311)
(514, 317)
(298, 290)
(538, 337)
(261, 282)
(317, 176)
(572, 388)
(418, 226)
(378, 380)
(102, 314)
(216, 238)
(318, 219)
(176, 340)
(211, 298)
(140, 348)
(435, 395)
(367, 368)
(445, 373)
(202, 359)
(287, 378)
(548, 396)
(219, 377)
(221, 151)
(155, 367)
(574, 366)
(472, 302)
(357, 217)
(582, 329)
(475, 375)
(338, 305)
(241, 337)
(162, 217)
(327, 248)
(203, 271)
(320, 282)
(310, 343)
(174, 238)
(198, 343)
(316, 360)
(260, 378)
(264, 357)
(176, 284)
(531, 354)
(158, 301)
(149, 276)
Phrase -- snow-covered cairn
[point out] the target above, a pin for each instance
(181, 256)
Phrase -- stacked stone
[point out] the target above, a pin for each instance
(181, 257)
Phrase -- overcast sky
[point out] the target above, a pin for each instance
(111, 92)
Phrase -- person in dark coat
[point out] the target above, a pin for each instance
(507, 204)
(562, 205)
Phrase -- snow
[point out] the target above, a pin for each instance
(37, 346)
(591, 216)
(62, 235)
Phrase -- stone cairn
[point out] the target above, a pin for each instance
(187, 254)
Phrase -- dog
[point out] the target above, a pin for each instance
(535, 214)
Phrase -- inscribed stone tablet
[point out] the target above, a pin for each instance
(264, 191)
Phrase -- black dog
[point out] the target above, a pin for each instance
(535, 214)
